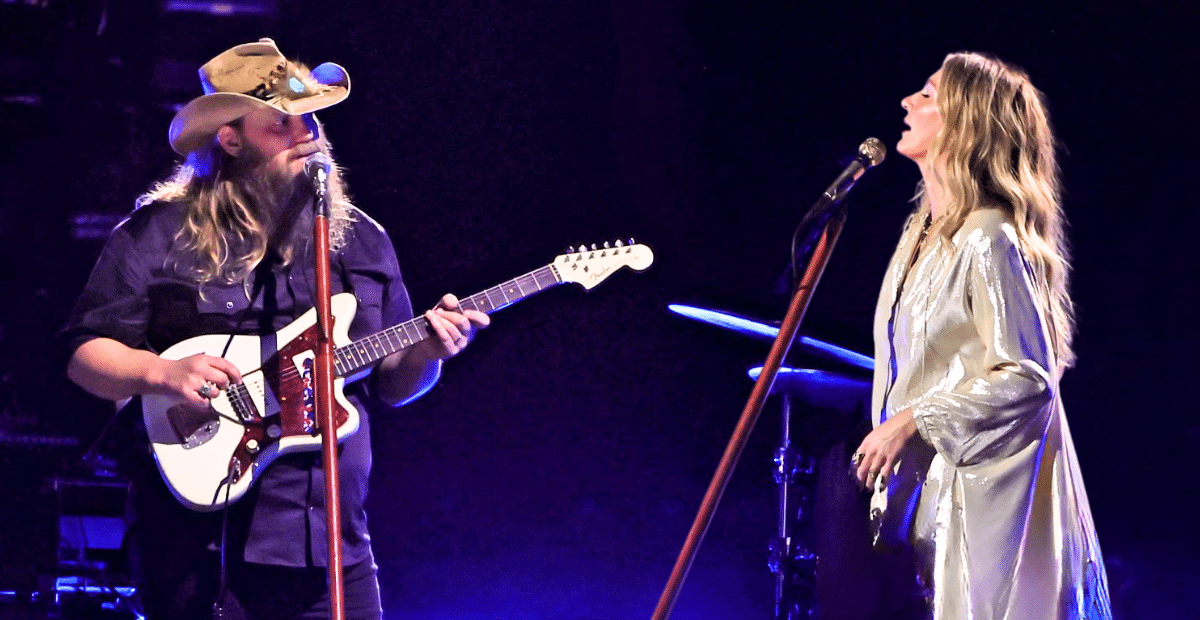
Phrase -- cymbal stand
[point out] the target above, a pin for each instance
(789, 555)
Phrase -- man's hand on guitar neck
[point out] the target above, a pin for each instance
(453, 327)
(407, 374)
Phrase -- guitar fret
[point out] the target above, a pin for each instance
(410, 338)
(394, 340)
(551, 276)
(383, 346)
(356, 352)
(499, 297)
(370, 349)
(479, 302)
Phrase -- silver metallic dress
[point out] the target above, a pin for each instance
(991, 501)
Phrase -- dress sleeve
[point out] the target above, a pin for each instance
(1002, 402)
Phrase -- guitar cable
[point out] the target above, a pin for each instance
(222, 576)
(223, 581)
(218, 611)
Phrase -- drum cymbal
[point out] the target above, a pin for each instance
(768, 331)
(820, 387)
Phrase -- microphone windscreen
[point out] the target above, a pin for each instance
(872, 151)
(315, 162)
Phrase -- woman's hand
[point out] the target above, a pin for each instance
(881, 448)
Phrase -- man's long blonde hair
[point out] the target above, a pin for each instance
(227, 231)
(998, 149)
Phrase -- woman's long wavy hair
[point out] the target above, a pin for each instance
(232, 214)
(998, 149)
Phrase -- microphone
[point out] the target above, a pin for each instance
(317, 169)
(870, 153)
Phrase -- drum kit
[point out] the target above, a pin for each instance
(838, 401)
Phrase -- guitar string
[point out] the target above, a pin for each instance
(361, 349)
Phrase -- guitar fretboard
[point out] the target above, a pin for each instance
(367, 351)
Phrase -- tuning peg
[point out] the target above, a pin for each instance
(619, 244)
(593, 247)
(630, 242)
(606, 245)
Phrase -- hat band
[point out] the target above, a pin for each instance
(269, 88)
(283, 82)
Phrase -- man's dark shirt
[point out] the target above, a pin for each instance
(139, 298)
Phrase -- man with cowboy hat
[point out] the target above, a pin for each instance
(224, 247)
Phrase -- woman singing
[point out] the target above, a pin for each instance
(971, 460)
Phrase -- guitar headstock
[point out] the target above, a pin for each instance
(591, 266)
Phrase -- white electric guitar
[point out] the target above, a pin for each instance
(210, 457)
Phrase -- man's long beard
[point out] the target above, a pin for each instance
(276, 197)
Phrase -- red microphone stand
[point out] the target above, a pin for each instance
(754, 405)
(828, 214)
(323, 390)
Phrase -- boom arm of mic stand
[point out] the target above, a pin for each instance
(758, 396)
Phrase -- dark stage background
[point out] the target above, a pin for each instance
(555, 470)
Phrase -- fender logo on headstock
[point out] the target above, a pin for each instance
(596, 275)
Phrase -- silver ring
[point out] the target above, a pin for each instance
(206, 390)
(856, 458)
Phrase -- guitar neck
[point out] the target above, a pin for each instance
(362, 353)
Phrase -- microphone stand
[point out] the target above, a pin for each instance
(323, 395)
(831, 213)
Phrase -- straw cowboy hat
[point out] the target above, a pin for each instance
(248, 77)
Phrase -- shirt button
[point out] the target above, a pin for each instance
(229, 304)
